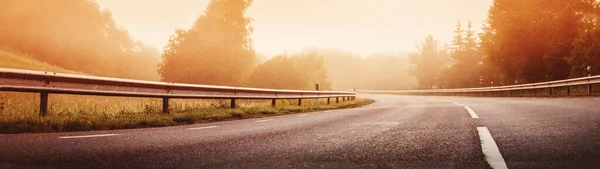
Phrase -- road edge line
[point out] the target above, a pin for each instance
(87, 136)
(490, 149)
(201, 128)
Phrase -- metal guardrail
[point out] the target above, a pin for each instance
(533, 88)
(57, 83)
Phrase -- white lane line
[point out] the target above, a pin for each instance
(302, 115)
(88, 136)
(471, 112)
(201, 128)
(260, 121)
(490, 149)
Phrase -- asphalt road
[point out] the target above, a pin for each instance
(394, 132)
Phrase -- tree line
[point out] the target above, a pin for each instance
(522, 42)
(217, 50)
(75, 35)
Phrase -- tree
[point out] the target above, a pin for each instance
(216, 50)
(428, 62)
(465, 60)
(586, 50)
(528, 41)
(74, 34)
(458, 43)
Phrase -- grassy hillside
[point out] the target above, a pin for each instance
(14, 60)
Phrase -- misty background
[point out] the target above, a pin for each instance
(380, 44)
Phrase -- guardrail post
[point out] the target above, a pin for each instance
(337, 99)
(328, 100)
(550, 91)
(590, 89)
(568, 90)
(274, 102)
(343, 99)
(43, 103)
(299, 102)
(165, 106)
(233, 105)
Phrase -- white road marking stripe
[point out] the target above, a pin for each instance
(473, 115)
(260, 121)
(490, 149)
(302, 115)
(200, 128)
(88, 136)
(471, 112)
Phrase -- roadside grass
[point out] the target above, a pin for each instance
(19, 112)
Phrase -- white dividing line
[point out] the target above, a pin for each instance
(88, 136)
(471, 112)
(302, 115)
(490, 149)
(201, 128)
(265, 120)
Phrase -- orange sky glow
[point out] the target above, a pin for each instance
(361, 26)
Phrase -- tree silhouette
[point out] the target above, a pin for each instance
(428, 62)
(216, 50)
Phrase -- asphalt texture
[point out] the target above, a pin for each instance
(393, 132)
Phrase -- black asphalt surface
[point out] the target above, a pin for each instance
(394, 132)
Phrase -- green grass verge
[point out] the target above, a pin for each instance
(149, 116)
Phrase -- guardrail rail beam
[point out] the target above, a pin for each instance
(16, 80)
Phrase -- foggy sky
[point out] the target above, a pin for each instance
(360, 26)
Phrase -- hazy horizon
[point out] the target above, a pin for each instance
(362, 27)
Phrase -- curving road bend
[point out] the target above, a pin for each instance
(394, 132)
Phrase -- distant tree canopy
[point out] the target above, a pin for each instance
(76, 35)
(216, 50)
(428, 62)
(384, 71)
(298, 71)
(531, 41)
(586, 45)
